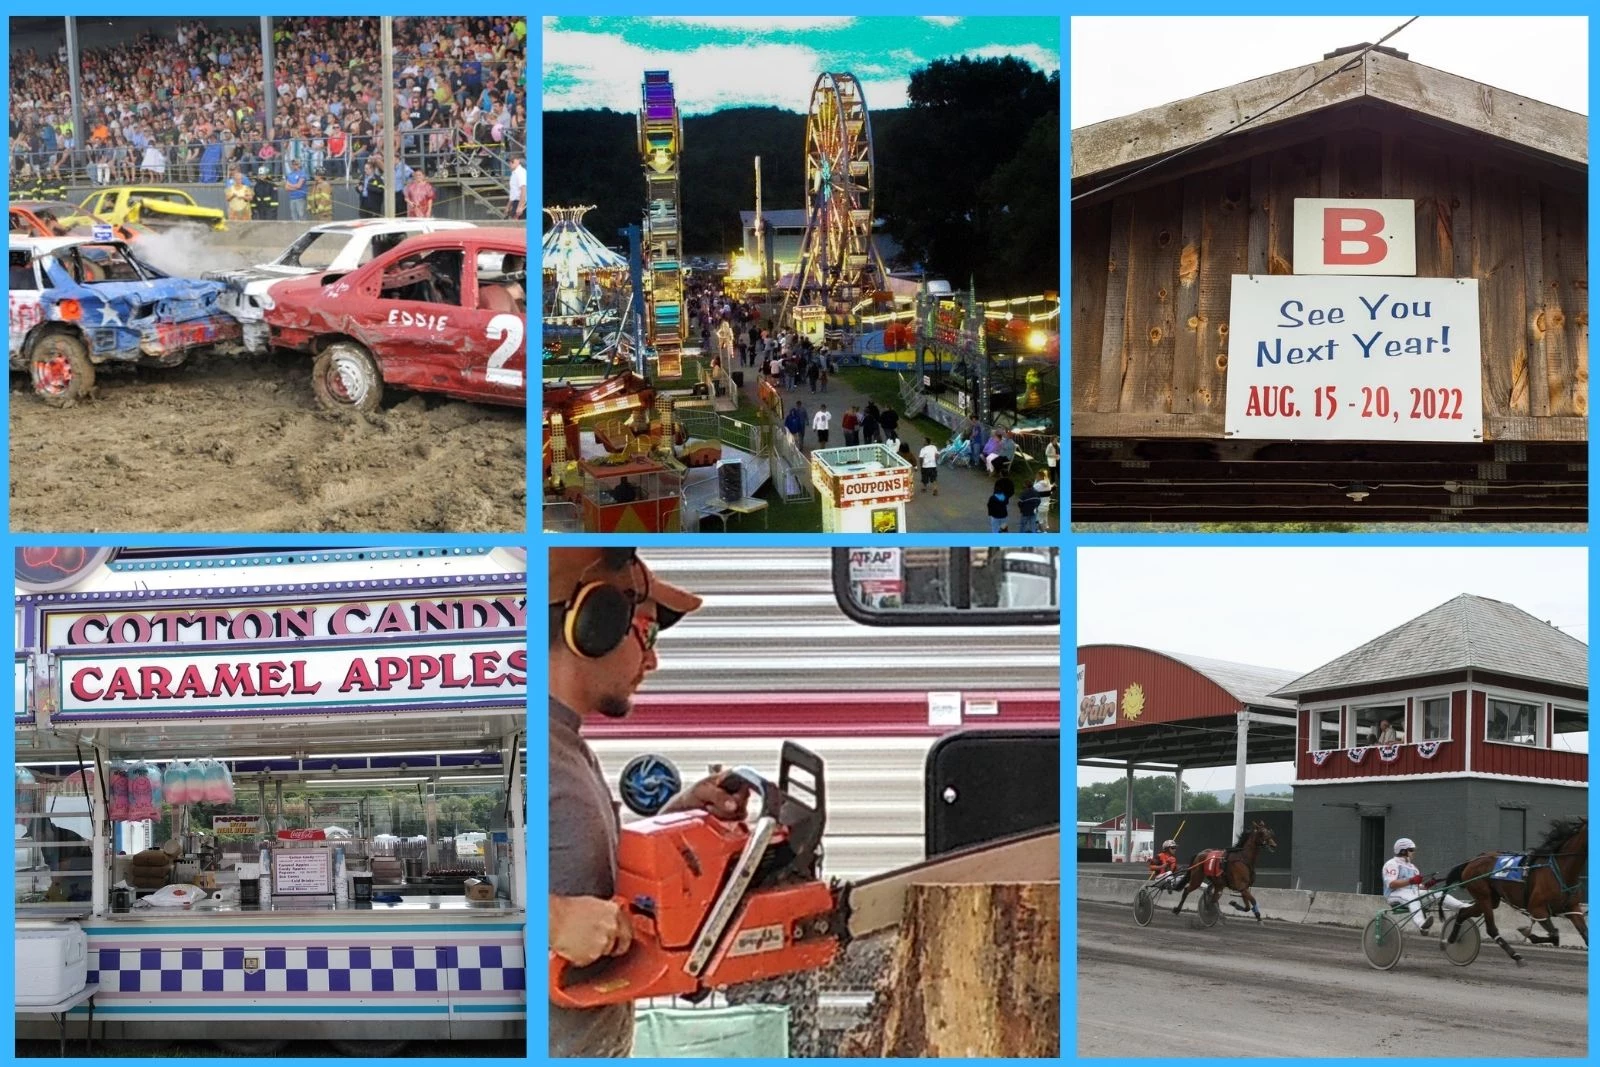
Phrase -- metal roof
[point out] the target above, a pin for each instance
(1210, 740)
(1466, 632)
(1431, 95)
(1251, 686)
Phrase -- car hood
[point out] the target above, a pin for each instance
(309, 288)
(257, 279)
(126, 296)
(167, 207)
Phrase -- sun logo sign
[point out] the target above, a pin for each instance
(1133, 702)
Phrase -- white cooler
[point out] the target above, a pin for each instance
(52, 962)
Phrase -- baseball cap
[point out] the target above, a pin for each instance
(569, 566)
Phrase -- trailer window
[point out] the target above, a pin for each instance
(886, 586)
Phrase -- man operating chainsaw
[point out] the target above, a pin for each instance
(606, 608)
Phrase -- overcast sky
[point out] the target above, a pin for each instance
(1298, 608)
(1125, 64)
(769, 60)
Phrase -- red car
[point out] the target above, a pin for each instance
(57, 218)
(444, 312)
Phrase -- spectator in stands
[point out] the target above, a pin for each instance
(178, 89)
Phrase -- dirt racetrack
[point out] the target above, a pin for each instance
(1246, 989)
(239, 444)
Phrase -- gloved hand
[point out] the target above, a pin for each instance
(1416, 879)
(1433, 880)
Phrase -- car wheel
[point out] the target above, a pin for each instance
(63, 374)
(346, 378)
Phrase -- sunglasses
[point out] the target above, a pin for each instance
(646, 630)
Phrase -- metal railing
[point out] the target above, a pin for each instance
(444, 154)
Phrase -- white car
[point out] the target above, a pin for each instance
(331, 248)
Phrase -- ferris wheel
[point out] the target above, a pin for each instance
(838, 260)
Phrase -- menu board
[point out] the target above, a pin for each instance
(302, 872)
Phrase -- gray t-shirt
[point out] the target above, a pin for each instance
(584, 825)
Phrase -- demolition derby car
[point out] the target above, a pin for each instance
(78, 302)
(58, 218)
(153, 206)
(331, 248)
(442, 313)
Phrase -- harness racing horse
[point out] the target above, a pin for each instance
(1233, 868)
(1545, 883)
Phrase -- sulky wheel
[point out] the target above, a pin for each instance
(1464, 949)
(1383, 941)
(63, 374)
(346, 378)
(1210, 911)
(1144, 907)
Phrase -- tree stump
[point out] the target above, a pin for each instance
(976, 971)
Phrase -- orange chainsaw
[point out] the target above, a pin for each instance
(717, 902)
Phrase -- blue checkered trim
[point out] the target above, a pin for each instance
(307, 969)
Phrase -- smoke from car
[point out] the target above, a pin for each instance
(188, 253)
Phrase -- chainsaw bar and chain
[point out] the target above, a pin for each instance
(878, 903)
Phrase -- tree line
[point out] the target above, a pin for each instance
(1100, 801)
(967, 175)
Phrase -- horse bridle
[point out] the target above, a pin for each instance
(1555, 869)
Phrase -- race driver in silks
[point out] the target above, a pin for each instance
(606, 608)
(1403, 883)
(1164, 864)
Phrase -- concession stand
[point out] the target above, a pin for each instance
(864, 488)
(275, 787)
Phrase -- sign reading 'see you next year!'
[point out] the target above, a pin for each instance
(1349, 349)
(1341, 359)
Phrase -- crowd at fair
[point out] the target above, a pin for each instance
(188, 105)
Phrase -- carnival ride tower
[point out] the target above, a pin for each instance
(660, 148)
(839, 264)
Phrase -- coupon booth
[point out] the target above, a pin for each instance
(279, 795)
(864, 488)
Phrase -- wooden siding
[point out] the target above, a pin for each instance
(1451, 755)
(1152, 267)
(1488, 757)
(1499, 757)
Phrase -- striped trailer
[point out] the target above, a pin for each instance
(796, 644)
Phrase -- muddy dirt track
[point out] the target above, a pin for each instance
(239, 444)
(1244, 989)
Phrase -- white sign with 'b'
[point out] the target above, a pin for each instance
(1355, 237)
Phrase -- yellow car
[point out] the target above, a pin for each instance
(151, 206)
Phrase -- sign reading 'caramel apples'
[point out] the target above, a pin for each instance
(223, 623)
(291, 680)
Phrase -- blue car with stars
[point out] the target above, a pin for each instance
(77, 302)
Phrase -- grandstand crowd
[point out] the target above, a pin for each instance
(188, 105)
